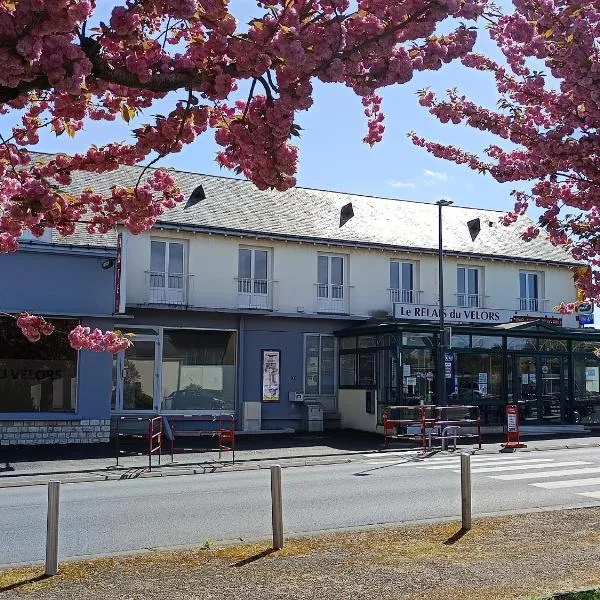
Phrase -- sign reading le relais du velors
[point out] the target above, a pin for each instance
(455, 314)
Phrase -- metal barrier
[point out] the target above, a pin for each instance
(396, 417)
(450, 419)
(155, 437)
(221, 427)
(152, 434)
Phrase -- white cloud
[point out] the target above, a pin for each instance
(401, 184)
(437, 175)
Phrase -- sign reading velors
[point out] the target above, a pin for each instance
(455, 314)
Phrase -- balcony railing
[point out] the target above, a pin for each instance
(332, 298)
(254, 293)
(167, 288)
(531, 304)
(470, 300)
(405, 296)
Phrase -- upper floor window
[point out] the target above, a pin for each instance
(529, 291)
(331, 278)
(253, 277)
(27, 236)
(468, 287)
(167, 272)
(402, 282)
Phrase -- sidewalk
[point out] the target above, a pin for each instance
(500, 558)
(30, 465)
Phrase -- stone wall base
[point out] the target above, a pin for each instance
(23, 432)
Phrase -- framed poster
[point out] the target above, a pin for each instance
(270, 375)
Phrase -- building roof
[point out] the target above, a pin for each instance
(235, 205)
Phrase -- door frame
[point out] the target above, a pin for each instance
(563, 378)
(156, 388)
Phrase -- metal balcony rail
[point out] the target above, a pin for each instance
(332, 298)
(404, 296)
(254, 293)
(167, 288)
(469, 300)
(532, 304)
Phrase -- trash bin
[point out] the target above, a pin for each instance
(314, 417)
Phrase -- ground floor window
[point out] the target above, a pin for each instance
(418, 376)
(198, 370)
(190, 370)
(319, 364)
(478, 381)
(586, 405)
(37, 377)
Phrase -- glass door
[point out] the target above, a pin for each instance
(539, 388)
(553, 382)
(137, 376)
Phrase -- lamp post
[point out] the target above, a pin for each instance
(441, 372)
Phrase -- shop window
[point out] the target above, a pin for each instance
(319, 364)
(586, 408)
(461, 341)
(487, 342)
(347, 369)
(552, 345)
(366, 369)
(37, 377)
(420, 340)
(198, 370)
(478, 382)
(418, 380)
(367, 341)
(524, 344)
(585, 345)
(347, 343)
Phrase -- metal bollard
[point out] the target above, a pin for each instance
(276, 508)
(52, 528)
(465, 490)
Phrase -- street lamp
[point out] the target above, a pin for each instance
(441, 358)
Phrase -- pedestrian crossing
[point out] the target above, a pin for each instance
(580, 477)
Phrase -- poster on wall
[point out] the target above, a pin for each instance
(270, 375)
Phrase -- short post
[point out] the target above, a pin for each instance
(52, 528)
(276, 508)
(465, 490)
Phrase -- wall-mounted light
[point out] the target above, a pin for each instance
(109, 263)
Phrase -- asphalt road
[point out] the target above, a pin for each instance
(113, 516)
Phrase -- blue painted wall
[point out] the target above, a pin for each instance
(286, 335)
(53, 283)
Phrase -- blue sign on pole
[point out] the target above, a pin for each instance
(586, 319)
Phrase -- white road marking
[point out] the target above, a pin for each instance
(589, 494)
(568, 463)
(567, 483)
(543, 474)
(490, 464)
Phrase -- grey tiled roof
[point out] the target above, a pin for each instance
(236, 205)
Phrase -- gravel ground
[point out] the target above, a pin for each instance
(500, 558)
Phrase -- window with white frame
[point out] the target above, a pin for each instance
(468, 287)
(167, 271)
(530, 290)
(402, 282)
(27, 236)
(253, 270)
(330, 276)
(319, 364)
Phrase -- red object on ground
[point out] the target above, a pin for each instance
(512, 428)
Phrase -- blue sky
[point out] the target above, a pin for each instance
(332, 154)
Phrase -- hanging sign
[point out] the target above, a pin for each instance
(270, 375)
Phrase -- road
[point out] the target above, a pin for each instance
(133, 514)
